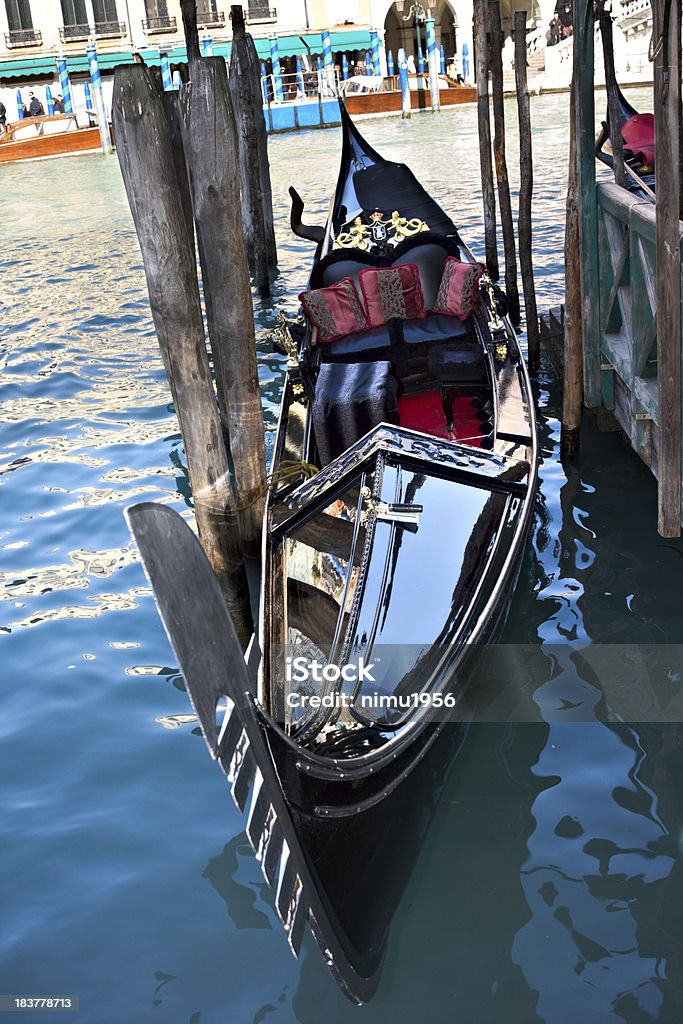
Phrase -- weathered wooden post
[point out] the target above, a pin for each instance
(188, 9)
(667, 32)
(572, 396)
(174, 120)
(146, 158)
(212, 153)
(606, 34)
(526, 188)
(487, 190)
(496, 58)
(247, 104)
(583, 52)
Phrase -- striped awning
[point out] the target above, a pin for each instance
(289, 46)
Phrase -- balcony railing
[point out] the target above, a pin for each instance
(23, 37)
(101, 29)
(261, 12)
(72, 33)
(164, 23)
(210, 19)
(110, 29)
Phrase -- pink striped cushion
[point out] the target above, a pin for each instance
(457, 293)
(392, 292)
(336, 310)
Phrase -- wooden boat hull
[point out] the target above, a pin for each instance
(390, 102)
(81, 140)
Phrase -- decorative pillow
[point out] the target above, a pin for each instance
(457, 293)
(392, 292)
(336, 310)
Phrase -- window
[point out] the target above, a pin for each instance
(20, 24)
(259, 10)
(156, 9)
(104, 11)
(208, 13)
(19, 15)
(74, 12)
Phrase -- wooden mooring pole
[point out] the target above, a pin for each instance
(584, 78)
(572, 395)
(496, 58)
(613, 106)
(667, 39)
(257, 198)
(487, 189)
(526, 188)
(212, 153)
(146, 158)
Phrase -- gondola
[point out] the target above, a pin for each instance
(638, 138)
(389, 562)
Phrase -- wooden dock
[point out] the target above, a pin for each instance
(630, 260)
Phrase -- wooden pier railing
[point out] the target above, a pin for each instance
(628, 317)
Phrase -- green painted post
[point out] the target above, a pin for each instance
(588, 213)
(667, 75)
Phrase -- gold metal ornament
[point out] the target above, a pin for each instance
(406, 228)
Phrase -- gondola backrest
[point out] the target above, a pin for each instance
(428, 251)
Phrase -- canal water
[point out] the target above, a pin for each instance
(550, 887)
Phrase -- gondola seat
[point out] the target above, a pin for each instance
(349, 401)
(375, 343)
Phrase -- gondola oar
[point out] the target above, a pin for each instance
(193, 611)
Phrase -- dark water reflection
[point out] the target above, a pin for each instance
(550, 885)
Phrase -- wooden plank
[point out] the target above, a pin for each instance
(496, 59)
(487, 191)
(616, 350)
(649, 272)
(146, 159)
(612, 316)
(607, 385)
(641, 299)
(618, 201)
(619, 233)
(588, 222)
(667, 141)
(526, 187)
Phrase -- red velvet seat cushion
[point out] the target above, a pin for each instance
(336, 311)
(392, 292)
(423, 412)
(457, 293)
(639, 137)
(467, 422)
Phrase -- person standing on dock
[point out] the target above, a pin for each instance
(3, 117)
(59, 105)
